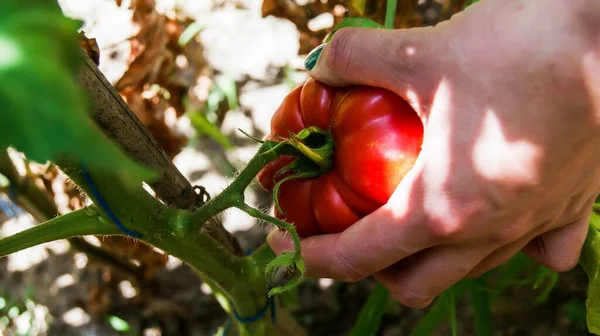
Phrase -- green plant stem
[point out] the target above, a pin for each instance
(233, 195)
(40, 205)
(174, 232)
(182, 234)
(390, 14)
(287, 226)
(241, 280)
(85, 221)
(262, 255)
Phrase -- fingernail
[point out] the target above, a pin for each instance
(313, 56)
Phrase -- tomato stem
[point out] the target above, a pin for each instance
(291, 229)
(316, 144)
(316, 147)
(85, 221)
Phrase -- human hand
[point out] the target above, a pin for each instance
(509, 95)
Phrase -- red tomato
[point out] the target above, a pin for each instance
(377, 137)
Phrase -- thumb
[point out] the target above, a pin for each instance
(397, 60)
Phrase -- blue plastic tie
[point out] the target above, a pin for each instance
(88, 179)
(10, 205)
(269, 306)
(7, 209)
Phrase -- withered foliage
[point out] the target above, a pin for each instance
(409, 13)
(160, 73)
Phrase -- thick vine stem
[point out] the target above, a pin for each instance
(110, 112)
(86, 221)
(169, 230)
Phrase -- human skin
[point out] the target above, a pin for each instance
(509, 95)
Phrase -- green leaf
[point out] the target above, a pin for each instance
(590, 262)
(44, 110)
(451, 304)
(434, 317)
(358, 6)
(189, 32)
(575, 311)
(228, 87)
(204, 121)
(204, 126)
(118, 324)
(508, 273)
(546, 279)
(353, 22)
(469, 3)
(369, 318)
(443, 308)
(595, 219)
(295, 272)
(480, 298)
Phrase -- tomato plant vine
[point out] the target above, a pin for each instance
(41, 55)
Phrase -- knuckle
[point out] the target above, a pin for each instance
(507, 234)
(407, 66)
(347, 271)
(459, 213)
(411, 54)
(340, 50)
(412, 298)
(444, 229)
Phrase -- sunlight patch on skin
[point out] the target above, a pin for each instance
(410, 50)
(437, 170)
(591, 75)
(497, 158)
(413, 100)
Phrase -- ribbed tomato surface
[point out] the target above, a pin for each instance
(377, 138)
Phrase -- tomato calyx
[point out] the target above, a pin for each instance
(316, 144)
(313, 150)
(315, 157)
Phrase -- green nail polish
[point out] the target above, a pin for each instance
(313, 56)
